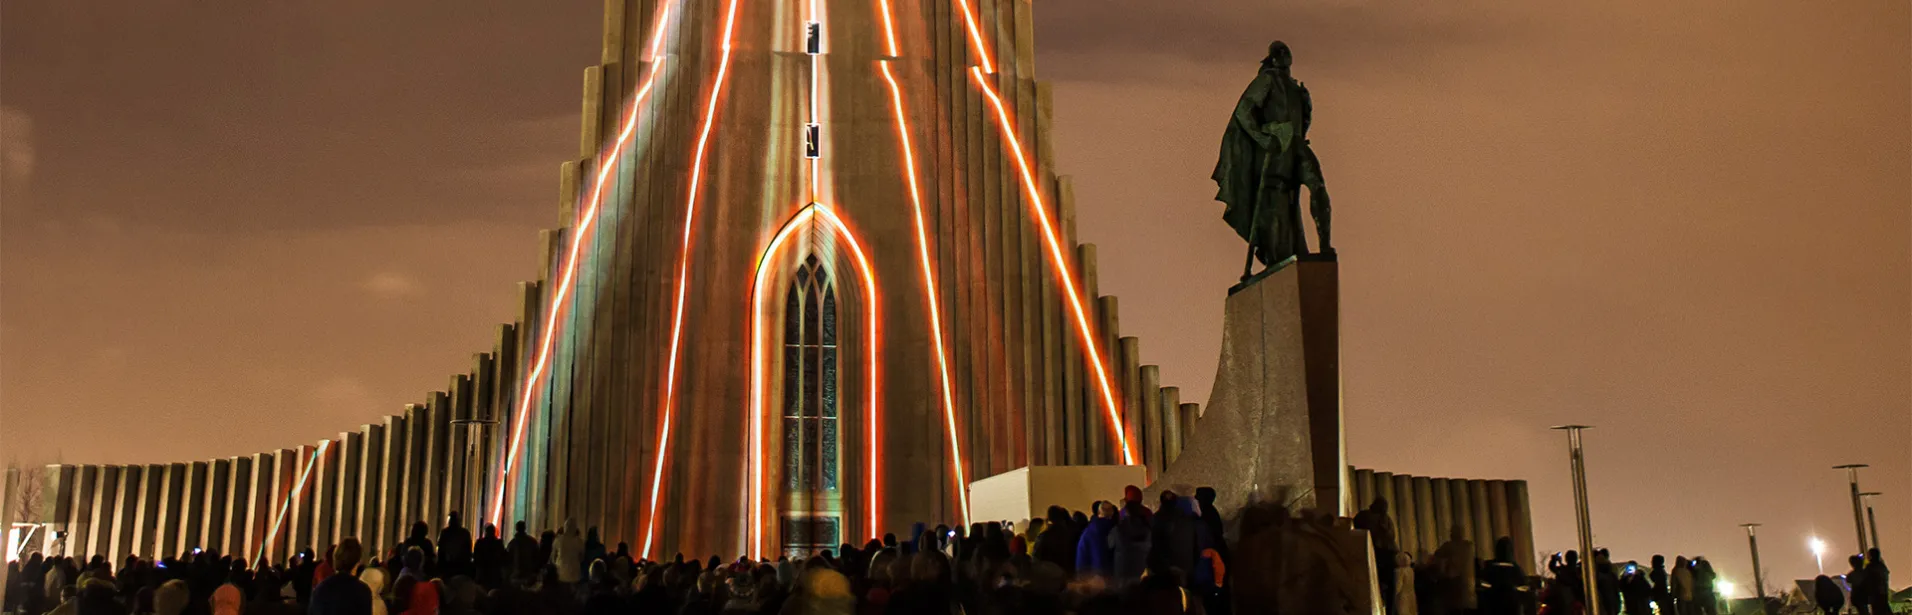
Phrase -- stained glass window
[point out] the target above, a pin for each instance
(810, 433)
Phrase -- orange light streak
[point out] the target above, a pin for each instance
(930, 293)
(870, 300)
(683, 277)
(758, 360)
(586, 220)
(976, 37)
(889, 28)
(1063, 268)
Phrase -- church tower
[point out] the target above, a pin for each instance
(816, 273)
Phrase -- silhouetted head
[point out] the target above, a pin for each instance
(1504, 549)
(1659, 561)
(1573, 558)
(454, 520)
(520, 526)
(1857, 561)
(1279, 56)
(1205, 495)
(1380, 505)
(490, 531)
(1872, 555)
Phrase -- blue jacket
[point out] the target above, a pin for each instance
(1092, 550)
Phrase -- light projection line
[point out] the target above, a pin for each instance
(930, 293)
(587, 218)
(298, 491)
(683, 278)
(1060, 262)
(759, 358)
(975, 37)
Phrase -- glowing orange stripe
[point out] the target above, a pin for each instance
(889, 28)
(683, 277)
(1062, 266)
(870, 299)
(930, 293)
(585, 221)
(758, 448)
(975, 36)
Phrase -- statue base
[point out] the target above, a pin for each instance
(1272, 428)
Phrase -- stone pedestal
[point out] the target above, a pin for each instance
(1272, 429)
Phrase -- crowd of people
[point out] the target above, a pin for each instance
(1121, 557)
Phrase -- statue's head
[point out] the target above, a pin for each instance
(1278, 56)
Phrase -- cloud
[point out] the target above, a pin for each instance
(391, 284)
(17, 155)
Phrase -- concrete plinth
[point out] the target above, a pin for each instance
(1027, 493)
(1272, 428)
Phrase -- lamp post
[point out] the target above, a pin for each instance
(1752, 542)
(1858, 510)
(1872, 518)
(1576, 458)
(1818, 552)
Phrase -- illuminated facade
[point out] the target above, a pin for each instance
(815, 273)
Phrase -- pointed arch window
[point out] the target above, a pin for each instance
(810, 425)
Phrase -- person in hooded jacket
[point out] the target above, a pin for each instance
(1827, 595)
(1057, 544)
(1881, 579)
(567, 553)
(374, 579)
(525, 555)
(1130, 539)
(1093, 555)
(454, 547)
(1503, 583)
(1175, 542)
(488, 557)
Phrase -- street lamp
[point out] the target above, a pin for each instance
(1752, 541)
(1872, 519)
(1818, 552)
(1858, 514)
(1577, 459)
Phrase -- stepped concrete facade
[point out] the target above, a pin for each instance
(814, 271)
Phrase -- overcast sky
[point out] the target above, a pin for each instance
(230, 226)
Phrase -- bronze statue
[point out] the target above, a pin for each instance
(1265, 160)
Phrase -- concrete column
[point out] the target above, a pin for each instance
(417, 434)
(1075, 416)
(1463, 503)
(1363, 489)
(99, 522)
(1151, 443)
(1431, 535)
(345, 510)
(1384, 489)
(1406, 523)
(322, 497)
(212, 506)
(285, 468)
(1520, 517)
(238, 507)
(298, 522)
(172, 506)
(1497, 517)
(432, 506)
(260, 503)
(1171, 422)
(458, 449)
(56, 505)
(1483, 519)
(391, 509)
(1189, 413)
(371, 467)
(1095, 431)
(126, 514)
(1129, 352)
(79, 510)
(192, 504)
(1443, 502)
